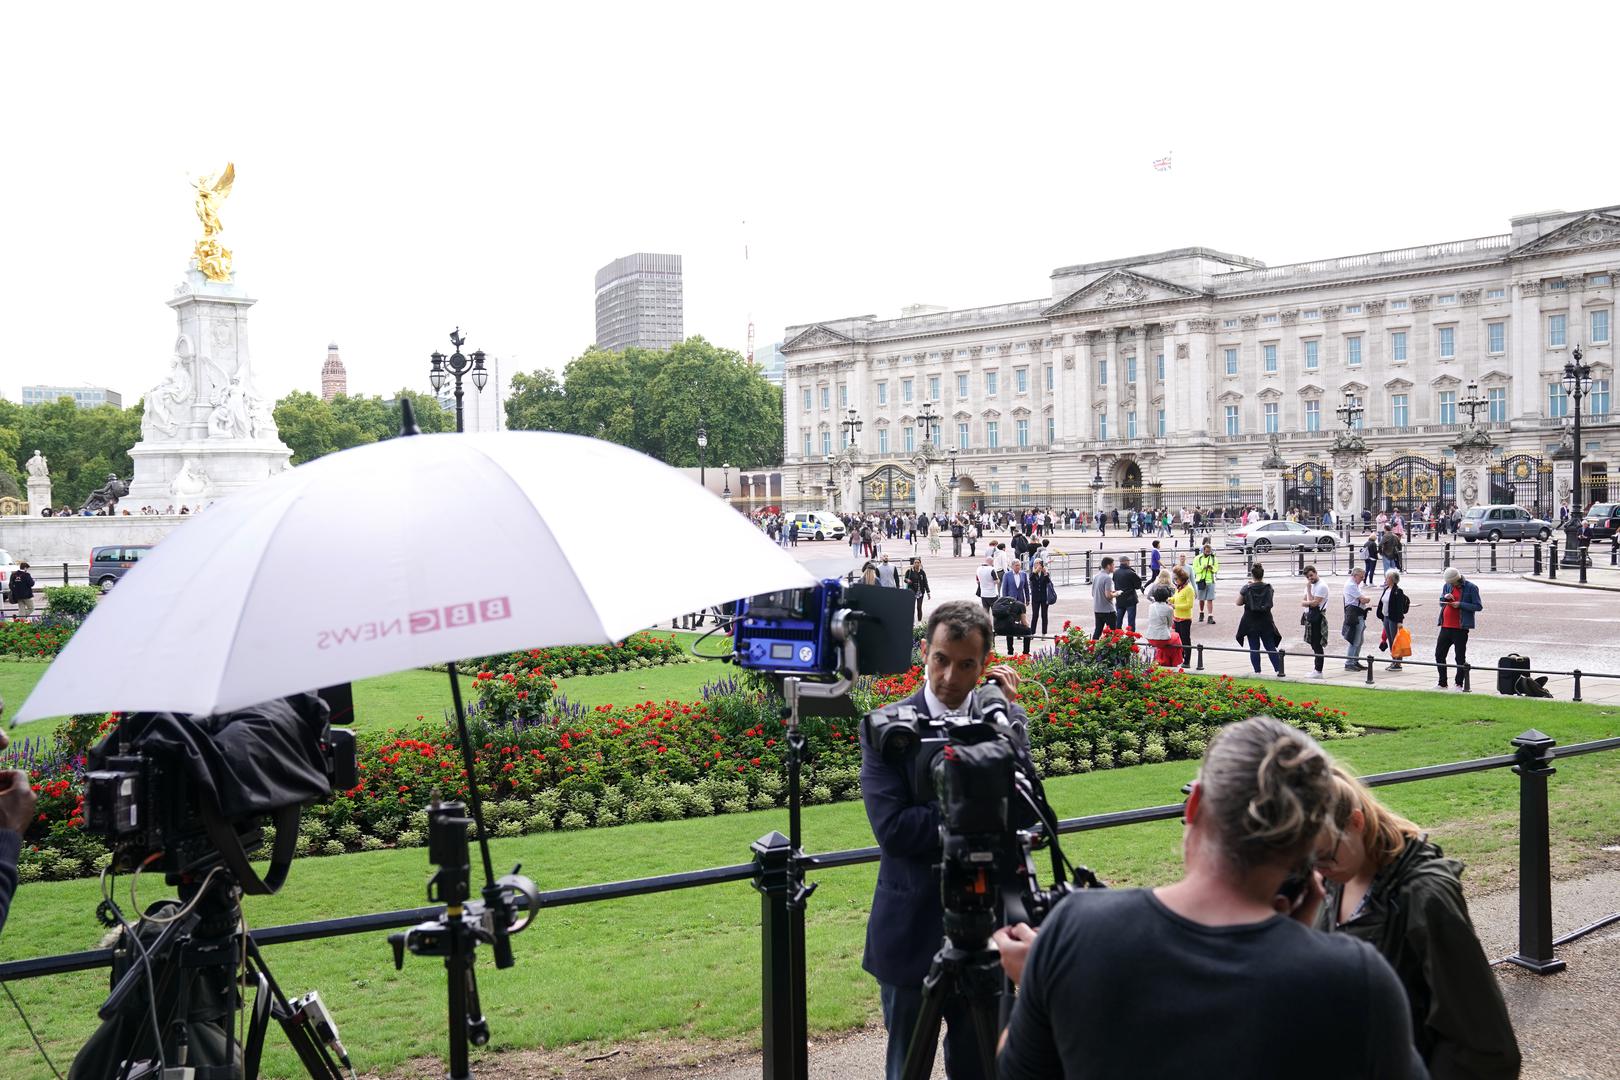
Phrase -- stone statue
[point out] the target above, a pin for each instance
(229, 420)
(1274, 458)
(213, 259)
(39, 466)
(261, 419)
(165, 401)
(107, 495)
(190, 480)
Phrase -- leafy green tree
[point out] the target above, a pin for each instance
(83, 445)
(536, 402)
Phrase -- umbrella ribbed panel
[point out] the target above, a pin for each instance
(404, 553)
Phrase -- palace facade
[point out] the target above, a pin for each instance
(1185, 377)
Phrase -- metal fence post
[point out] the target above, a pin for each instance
(1446, 552)
(1088, 564)
(1282, 660)
(64, 574)
(1200, 649)
(1536, 572)
(1552, 560)
(1493, 556)
(1577, 674)
(1300, 572)
(1370, 666)
(782, 998)
(1534, 751)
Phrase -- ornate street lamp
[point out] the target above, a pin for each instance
(1096, 478)
(726, 492)
(1473, 403)
(955, 481)
(1350, 412)
(1577, 384)
(852, 427)
(455, 366)
(703, 455)
(926, 419)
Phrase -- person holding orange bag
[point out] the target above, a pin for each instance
(1393, 604)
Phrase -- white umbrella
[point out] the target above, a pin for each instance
(408, 552)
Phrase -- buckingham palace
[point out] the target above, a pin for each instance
(1429, 374)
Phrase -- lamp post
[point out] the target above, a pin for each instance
(703, 455)
(1473, 403)
(832, 478)
(1577, 384)
(852, 427)
(1350, 412)
(726, 491)
(455, 366)
(926, 419)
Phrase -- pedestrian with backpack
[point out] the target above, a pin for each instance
(1257, 628)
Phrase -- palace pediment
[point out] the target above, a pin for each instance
(1592, 230)
(1310, 388)
(1120, 289)
(816, 337)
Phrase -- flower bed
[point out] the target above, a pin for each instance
(36, 639)
(515, 687)
(1091, 706)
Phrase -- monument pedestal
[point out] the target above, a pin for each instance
(39, 494)
(206, 433)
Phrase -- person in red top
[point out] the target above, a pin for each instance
(1459, 599)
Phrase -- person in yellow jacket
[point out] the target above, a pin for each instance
(1181, 605)
(1205, 567)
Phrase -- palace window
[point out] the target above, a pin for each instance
(1231, 361)
(1600, 326)
(905, 391)
(1130, 370)
(1272, 418)
(1228, 324)
(1352, 309)
(1048, 378)
(1598, 402)
(1268, 320)
(1022, 428)
(826, 398)
(1159, 423)
(1269, 353)
(1399, 414)
(1130, 424)
(1556, 283)
(1158, 367)
(883, 440)
(826, 444)
(1496, 337)
(1448, 406)
(1313, 354)
(805, 433)
(1555, 331)
(807, 399)
(1051, 430)
(883, 393)
(1397, 305)
(1311, 313)
(1397, 346)
(961, 384)
(1313, 416)
(1021, 380)
(991, 380)
(1352, 351)
(1446, 298)
(908, 438)
(843, 395)
(1102, 372)
(1102, 425)
(1496, 404)
(961, 436)
(1598, 279)
(1448, 342)
(1557, 401)
(992, 434)
(933, 388)
(1495, 294)
(1231, 419)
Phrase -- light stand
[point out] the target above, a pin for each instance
(1577, 384)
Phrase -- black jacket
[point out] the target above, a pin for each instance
(1398, 605)
(1415, 915)
(917, 581)
(1254, 623)
(1127, 583)
(907, 925)
(21, 586)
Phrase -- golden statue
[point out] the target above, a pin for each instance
(213, 259)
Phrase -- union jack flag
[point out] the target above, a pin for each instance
(1162, 164)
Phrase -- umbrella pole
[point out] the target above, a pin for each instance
(474, 800)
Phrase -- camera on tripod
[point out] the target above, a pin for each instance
(825, 631)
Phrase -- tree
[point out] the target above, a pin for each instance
(313, 428)
(654, 401)
(83, 445)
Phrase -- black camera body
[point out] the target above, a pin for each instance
(186, 787)
(993, 812)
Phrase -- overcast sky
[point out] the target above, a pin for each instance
(404, 168)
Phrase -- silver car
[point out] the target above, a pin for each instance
(1502, 522)
(1265, 535)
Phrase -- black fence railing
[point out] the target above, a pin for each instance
(782, 906)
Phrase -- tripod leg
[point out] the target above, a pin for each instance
(258, 1024)
(985, 1026)
(925, 1036)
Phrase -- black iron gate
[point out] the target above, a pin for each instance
(1411, 482)
(887, 489)
(1308, 488)
(1523, 480)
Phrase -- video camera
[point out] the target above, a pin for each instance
(993, 809)
(198, 790)
(817, 632)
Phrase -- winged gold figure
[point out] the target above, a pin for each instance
(213, 258)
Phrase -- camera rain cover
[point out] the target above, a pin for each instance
(247, 763)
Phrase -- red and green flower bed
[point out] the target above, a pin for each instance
(1091, 706)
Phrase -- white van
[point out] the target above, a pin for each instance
(818, 525)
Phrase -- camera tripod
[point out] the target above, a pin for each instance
(190, 970)
(965, 967)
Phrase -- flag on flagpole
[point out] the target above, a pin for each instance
(1162, 164)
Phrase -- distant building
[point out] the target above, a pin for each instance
(334, 378)
(639, 301)
(772, 363)
(85, 397)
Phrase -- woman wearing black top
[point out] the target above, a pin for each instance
(1257, 627)
(1042, 594)
(1393, 604)
(917, 582)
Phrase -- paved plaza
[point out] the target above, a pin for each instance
(1558, 627)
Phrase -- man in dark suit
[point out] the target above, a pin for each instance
(906, 926)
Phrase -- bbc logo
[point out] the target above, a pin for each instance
(456, 616)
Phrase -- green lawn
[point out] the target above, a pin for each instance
(686, 963)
